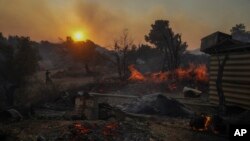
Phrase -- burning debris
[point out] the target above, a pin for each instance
(203, 122)
(200, 122)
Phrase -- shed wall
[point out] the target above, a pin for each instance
(236, 79)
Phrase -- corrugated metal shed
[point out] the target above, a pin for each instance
(236, 79)
(236, 76)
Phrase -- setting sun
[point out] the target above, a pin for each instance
(78, 36)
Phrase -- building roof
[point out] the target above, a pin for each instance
(219, 42)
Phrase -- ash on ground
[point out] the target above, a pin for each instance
(157, 104)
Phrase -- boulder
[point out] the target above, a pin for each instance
(191, 93)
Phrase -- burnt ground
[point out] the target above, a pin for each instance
(51, 121)
(159, 128)
(163, 130)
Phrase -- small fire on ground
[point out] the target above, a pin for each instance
(203, 123)
(108, 129)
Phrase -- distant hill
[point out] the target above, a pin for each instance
(55, 56)
(195, 52)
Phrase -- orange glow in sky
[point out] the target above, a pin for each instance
(102, 21)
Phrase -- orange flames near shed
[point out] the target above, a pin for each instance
(198, 73)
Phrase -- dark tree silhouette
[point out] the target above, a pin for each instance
(163, 37)
(83, 52)
(19, 63)
(238, 28)
(121, 48)
(239, 32)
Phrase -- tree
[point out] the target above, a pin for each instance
(121, 48)
(238, 28)
(239, 32)
(83, 52)
(25, 61)
(171, 45)
(19, 63)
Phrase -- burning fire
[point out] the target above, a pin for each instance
(172, 86)
(201, 123)
(208, 122)
(183, 73)
(160, 76)
(81, 129)
(110, 129)
(198, 73)
(201, 73)
(135, 74)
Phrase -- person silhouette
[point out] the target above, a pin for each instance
(47, 77)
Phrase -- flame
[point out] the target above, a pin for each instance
(159, 76)
(207, 124)
(201, 73)
(172, 86)
(135, 74)
(110, 129)
(198, 73)
(182, 73)
(81, 129)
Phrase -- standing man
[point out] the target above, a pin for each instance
(47, 77)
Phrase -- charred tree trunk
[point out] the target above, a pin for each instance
(124, 66)
(9, 93)
(118, 65)
(221, 65)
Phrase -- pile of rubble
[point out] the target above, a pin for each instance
(157, 104)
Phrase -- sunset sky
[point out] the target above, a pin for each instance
(103, 20)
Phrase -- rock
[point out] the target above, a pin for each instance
(10, 115)
(190, 92)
